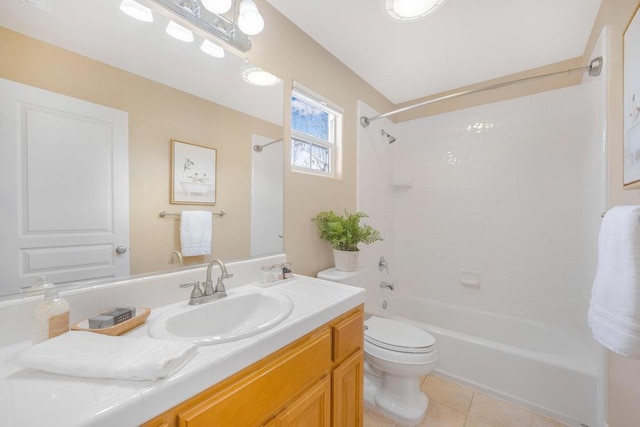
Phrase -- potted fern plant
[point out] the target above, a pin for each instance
(344, 233)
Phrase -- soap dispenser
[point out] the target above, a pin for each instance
(51, 316)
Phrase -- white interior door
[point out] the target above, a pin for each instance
(64, 188)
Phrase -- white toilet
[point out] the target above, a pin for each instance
(396, 356)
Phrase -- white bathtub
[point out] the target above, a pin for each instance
(542, 368)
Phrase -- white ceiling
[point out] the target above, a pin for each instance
(465, 42)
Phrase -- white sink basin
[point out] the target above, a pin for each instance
(236, 316)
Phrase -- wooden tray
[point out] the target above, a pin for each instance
(119, 329)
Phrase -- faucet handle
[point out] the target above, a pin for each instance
(186, 285)
(197, 290)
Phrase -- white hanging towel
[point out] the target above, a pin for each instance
(614, 314)
(195, 233)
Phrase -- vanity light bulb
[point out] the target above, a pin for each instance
(136, 10)
(217, 6)
(179, 32)
(212, 49)
(249, 19)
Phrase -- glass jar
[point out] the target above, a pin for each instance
(276, 271)
(265, 274)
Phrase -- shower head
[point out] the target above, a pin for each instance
(258, 148)
(390, 139)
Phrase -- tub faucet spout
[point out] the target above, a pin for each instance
(387, 285)
(173, 256)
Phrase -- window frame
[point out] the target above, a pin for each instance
(334, 143)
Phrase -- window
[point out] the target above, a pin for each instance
(316, 130)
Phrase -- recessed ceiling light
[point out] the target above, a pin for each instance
(136, 10)
(411, 10)
(258, 77)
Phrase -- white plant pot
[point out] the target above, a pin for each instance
(345, 260)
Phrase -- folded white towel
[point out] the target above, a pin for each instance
(614, 313)
(195, 233)
(91, 355)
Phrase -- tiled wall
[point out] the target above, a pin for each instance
(508, 194)
(376, 171)
(267, 200)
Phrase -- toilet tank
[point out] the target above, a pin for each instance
(355, 278)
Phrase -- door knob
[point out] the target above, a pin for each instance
(121, 249)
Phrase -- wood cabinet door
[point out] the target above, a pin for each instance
(262, 393)
(348, 390)
(348, 336)
(312, 409)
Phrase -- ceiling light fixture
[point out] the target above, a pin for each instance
(206, 18)
(411, 10)
(217, 6)
(258, 77)
(212, 49)
(249, 19)
(179, 32)
(136, 10)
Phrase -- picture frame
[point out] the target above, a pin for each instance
(631, 100)
(193, 174)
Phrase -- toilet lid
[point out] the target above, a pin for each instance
(397, 336)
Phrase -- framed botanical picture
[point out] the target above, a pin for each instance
(193, 174)
(632, 102)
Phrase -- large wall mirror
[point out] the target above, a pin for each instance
(168, 89)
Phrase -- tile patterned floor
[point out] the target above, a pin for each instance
(455, 405)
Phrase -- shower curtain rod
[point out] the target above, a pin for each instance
(594, 68)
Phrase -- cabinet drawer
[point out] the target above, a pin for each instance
(262, 393)
(348, 336)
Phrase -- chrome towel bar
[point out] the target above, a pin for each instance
(164, 214)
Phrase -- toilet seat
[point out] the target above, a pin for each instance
(397, 336)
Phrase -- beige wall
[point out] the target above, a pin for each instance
(157, 114)
(291, 54)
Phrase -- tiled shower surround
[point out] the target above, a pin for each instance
(496, 207)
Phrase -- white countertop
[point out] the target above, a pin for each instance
(32, 398)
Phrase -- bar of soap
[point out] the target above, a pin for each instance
(111, 318)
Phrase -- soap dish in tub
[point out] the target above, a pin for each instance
(140, 316)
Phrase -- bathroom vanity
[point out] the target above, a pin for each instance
(314, 381)
(308, 370)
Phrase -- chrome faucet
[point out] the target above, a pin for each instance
(208, 285)
(209, 293)
(387, 285)
(176, 254)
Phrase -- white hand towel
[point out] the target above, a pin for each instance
(91, 355)
(614, 313)
(195, 233)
